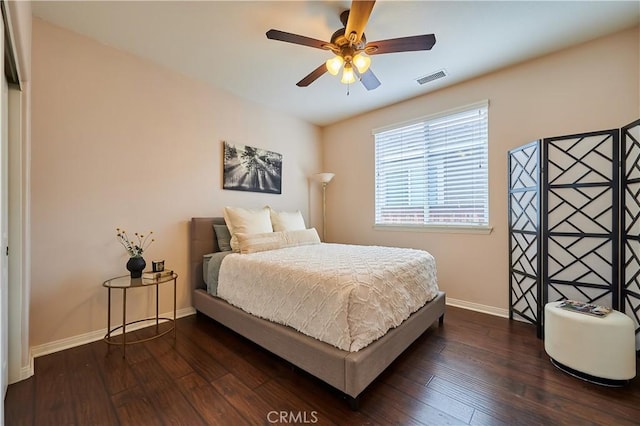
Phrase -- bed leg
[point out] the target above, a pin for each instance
(441, 320)
(354, 403)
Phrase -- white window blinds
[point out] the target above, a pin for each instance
(434, 171)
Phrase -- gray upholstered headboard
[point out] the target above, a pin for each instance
(202, 241)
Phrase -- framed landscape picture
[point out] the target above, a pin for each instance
(252, 169)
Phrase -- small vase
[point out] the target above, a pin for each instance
(136, 265)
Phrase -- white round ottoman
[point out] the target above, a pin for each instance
(601, 350)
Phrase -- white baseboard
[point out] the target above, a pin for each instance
(82, 339)
(26, 371)
(485, 309)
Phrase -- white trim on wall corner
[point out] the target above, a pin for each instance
(491, 310)
(72, 342)
(25, 371)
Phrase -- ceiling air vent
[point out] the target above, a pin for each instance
(436, 75)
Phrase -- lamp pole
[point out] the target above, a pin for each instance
(324, 211)
(324, 179)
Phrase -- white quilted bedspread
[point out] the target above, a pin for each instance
(345, 295)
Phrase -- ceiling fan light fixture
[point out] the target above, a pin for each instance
(334, 64)
(348, 76)
(351, 49)
(362, 62)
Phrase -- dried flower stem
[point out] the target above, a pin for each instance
(133, 247)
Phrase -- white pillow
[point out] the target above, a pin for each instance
(287, 221)
(253, 243)
(246, 221)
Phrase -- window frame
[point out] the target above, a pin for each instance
(426, 227)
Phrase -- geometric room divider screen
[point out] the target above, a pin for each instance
(567, 236)
(580, 211)
(630, 224)
(525, 293)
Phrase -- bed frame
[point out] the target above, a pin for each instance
(349, 372)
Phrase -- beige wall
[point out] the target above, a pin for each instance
(590, 87)
(120, 142)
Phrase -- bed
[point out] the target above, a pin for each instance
(349, 372)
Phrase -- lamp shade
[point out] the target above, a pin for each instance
(323, 177)
(334, 64)
(362, 62)
(347, 75)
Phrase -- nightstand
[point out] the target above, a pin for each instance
(126, 283)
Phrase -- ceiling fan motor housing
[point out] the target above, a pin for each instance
(343, 47)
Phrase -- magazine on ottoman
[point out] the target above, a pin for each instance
(585, 308)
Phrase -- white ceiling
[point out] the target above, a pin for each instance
(224, 43)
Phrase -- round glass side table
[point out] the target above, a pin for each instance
(125, 283)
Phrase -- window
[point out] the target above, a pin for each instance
(433, 171)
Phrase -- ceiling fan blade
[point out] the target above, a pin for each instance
(402, 44)
(296, 39)
(358, 18)
(368, 79)
(313, 76)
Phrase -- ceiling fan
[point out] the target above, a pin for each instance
(351, 49)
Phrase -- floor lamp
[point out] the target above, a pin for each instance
(324, 179)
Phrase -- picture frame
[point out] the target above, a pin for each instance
(252, 169)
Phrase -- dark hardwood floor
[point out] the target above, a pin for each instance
(476, 369)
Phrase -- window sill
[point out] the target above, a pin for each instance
(446, 229)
